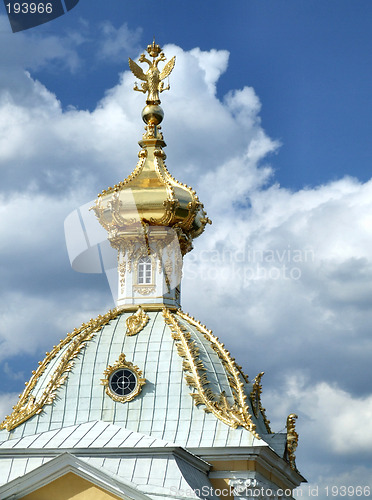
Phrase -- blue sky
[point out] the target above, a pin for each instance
(269, 119)
(309, 62)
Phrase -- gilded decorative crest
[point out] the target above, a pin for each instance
(292, 440)
(152, 79)
(144, 289)
(137, 322)
(123, 380)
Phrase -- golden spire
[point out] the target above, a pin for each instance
(156, 198)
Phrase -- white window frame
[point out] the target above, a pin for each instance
(144, 271)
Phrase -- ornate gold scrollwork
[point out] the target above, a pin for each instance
(123, 364)
(143, 289)
(292, 440)
(122, 268)
(136, 322)
(29, 405)
(233, 415)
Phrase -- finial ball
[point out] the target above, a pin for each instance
(152, 114)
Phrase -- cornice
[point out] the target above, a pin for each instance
(263, 455)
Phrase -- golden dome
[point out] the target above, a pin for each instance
(150, 195)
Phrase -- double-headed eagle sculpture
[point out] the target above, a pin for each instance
(152, 79)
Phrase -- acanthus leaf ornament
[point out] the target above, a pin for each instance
(234, 415)
(122, 269)
(29, 404)
(292, 440)
(144, 289)
(137, 322)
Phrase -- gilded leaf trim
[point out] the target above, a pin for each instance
(234, 372)
(28, 405)
(292, 440)
(137, 322)
(256, 401)
(195, 375)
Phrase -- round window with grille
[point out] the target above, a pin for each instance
(123, 382)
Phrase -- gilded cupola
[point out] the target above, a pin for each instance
(151, 218)
(150, 195)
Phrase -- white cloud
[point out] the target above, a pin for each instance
(213, 63)
(335, 436)
(340, 421)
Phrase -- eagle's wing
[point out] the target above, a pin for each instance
(136, 70)
(167, 68)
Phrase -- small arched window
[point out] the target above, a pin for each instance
(144, 271)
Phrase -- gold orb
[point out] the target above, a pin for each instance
(152, 114)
